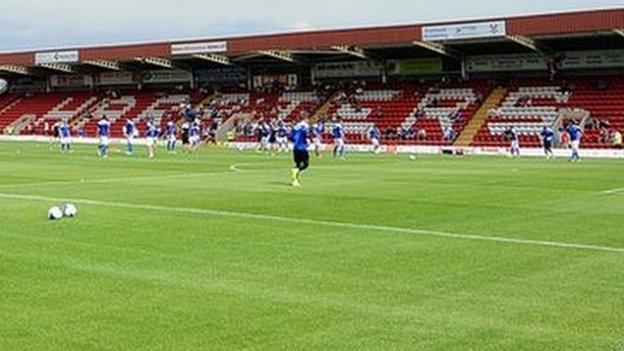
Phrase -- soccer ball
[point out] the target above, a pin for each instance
(55, 213)
(413, 157)
(69, 210)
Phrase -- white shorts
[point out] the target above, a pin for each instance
(375, 142)
(281, 140)
(515, 144)
(317, 142)
(339, 142)
(172, 138)
(66, 141)
(104, 141)
(575, 145)
(194, 140)
(264, 140)
(149, 141)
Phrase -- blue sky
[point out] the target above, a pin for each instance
(47, 23)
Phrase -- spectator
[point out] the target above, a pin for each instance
(379, 113)
(617, 140)
(449, 134)
(422, 134)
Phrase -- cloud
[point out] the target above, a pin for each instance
(44, 23)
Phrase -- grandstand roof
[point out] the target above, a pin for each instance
(598, 29)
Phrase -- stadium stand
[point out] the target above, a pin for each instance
(534, 104)
(407, 114)
(462, 90)
(410, 114)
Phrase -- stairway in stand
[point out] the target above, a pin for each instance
(321, 113)
(471, 130)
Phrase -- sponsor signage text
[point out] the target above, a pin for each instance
(199, 48)
(465, 31)
(57, 57)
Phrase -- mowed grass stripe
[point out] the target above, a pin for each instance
(373, 227)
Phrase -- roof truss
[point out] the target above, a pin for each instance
(15, 69)
(279, 55)
(527, 43)
(214, 58)
(60, 67)
(439, 48)
(351, 50)
(156, 61)
(108, 64)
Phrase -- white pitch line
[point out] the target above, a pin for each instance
(612, 191)
(372, 227)
(236, 169)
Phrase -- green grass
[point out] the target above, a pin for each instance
(147, 278)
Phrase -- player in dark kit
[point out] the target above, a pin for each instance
(300, 150)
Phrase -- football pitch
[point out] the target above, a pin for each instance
(215, 251)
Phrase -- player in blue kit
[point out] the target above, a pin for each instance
(103, 128)
(129, 131)
(65, 136)
(375, 135)
(172, 141)
(264, 129)
(195, 135)
(281, 137)
(317, 131)
(339, 143)
(300, 150)
(514, 138)
(548, 139)
(576, 134)
(151, 137)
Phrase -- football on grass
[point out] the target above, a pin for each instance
(69, 210)
(55, 213)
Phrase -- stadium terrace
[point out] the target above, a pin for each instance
(454, 85)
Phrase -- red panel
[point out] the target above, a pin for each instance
(527, 25)
(566, 23)
(126, 52)
(324, 39)
(24, 59)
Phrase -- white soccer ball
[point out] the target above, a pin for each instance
(55, 213)
(69, 210)
(413, 157)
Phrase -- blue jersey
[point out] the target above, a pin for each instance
(548, 135)
(317, 130)
(194, 131)
(64, 130)
(300, 136)
(282, 132)
(152, 130)
(265, 130)
(129, 128)
(190, 115)
(104, 128)
(338, 132)
(171, 129)
(575, 132)
(374, 133)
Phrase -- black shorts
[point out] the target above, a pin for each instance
(548, 145)
(301, 157)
